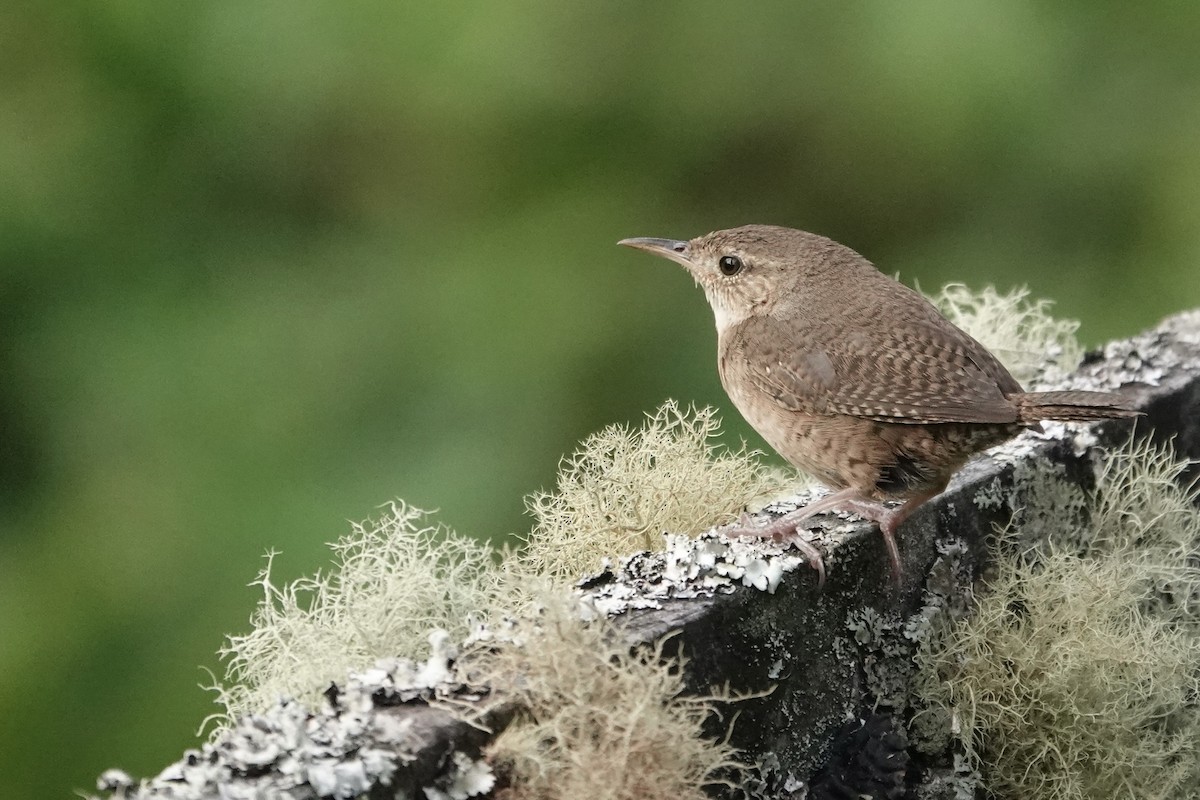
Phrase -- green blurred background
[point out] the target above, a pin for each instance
(264, 266)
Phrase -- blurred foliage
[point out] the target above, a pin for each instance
(265, 266)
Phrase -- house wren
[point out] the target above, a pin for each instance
(852, 376)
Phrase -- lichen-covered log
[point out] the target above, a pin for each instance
(841, 652)
(829, 668)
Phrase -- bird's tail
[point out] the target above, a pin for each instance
(1073, 406)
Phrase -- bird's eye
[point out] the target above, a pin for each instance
(730, 265)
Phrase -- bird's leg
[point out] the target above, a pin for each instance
(849, 499)
(786, 528)
(889, 521)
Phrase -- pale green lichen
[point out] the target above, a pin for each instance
(1078, 674)
(623, 488)
(393, 580)
(596, 719)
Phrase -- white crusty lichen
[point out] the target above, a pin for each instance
(623, 488)
(700, 566)
(715, 562)
(353, 740)
(287, 751)
(468, 777)
(1149, 357)
(1078, 672)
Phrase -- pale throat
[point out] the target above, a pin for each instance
(725, 315)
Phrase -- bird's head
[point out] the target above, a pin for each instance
(747, 271)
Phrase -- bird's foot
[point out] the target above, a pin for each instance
(889, 521)
(788, 533)
(786, 528)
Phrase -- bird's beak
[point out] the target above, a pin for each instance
(667, 248)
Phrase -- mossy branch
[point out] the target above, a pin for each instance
(747, 617)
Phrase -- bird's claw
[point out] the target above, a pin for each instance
(788, 533)
(811, 553)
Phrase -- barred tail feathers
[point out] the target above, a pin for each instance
(1073, 406)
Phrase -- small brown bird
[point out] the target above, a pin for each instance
(852, 376)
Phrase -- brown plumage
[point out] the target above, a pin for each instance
(854, 377)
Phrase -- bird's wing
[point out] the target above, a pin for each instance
(918, 372)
